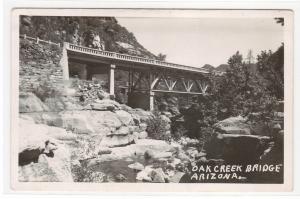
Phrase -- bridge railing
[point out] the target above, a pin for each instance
(38, 40)
(125, 57)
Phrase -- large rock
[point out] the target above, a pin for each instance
(145, 175)
(48, 118)
(48, 169)
(123, 130)
(138, 148)
(236, 149)
(34, 165)
(158, 176)
(234, 125)
(77, 123)
(106, 105)
(28, 103)
(103, 119)
(117, 140)
(141, 114)
(149, 154)
(136, 166)
(143, 135)
(54, 104)
(125, 117)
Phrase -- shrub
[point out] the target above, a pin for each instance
(178, 132)
(157, 128)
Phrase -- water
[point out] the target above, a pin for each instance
(115, 167)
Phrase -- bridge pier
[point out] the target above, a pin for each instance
(151, 101)
(64, 62)
(112, 79)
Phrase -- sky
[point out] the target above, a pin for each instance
(199, 41)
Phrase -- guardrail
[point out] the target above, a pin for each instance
(38, 40)
(125, 57)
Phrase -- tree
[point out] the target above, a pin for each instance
(271, 67)
(250, 58)
(161, 57)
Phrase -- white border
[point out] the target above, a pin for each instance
(261, 5)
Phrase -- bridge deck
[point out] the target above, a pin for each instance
(130, 58)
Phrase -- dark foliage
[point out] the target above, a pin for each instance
(157, 128)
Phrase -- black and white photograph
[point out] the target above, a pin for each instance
(189, 98)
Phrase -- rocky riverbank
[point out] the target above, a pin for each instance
(105, 141)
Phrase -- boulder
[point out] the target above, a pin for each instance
(149, 154)
(60, 134)
(123, 130)
(141, 114)
(176, 177)
(76, 122)
(143, 135)
(126, 108)
(106, 105)
(103, 95)
(234, 125)
(102, 107)
(104, 150)
(136, 166)
(42, 157)
(117, 140)
(183, 157)
(54, 104)
(103, 119)
(138, 147)
(145, 175)
(29, 103)
(133, 128)
(125, 117)
(48, 118)
(158, 176)
(231, 148)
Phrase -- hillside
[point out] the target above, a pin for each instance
(208, 67)
(222, 67)
(103, 33)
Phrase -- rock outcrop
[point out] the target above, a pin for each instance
(231, 148)
(29, 103)
(38, 159)
(234, 125)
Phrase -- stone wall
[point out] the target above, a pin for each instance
(39, 65)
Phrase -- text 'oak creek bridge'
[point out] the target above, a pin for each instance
(148, 76)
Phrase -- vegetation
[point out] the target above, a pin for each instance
(157, 128)
(161, 57)
(240, 91)
(82, 30)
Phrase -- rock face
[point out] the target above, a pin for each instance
(35, 163)
(28, 103)
(231, 148)
(234, 125)
(105, 105)
(77, 123)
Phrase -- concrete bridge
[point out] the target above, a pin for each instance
(145, 75)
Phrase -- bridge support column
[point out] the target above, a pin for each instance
(112, 79)
(151, 105)
(64, 62)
